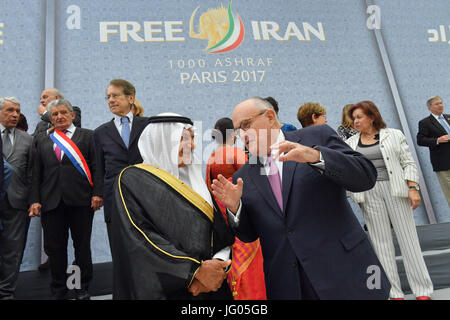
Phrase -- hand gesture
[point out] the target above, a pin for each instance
(295, 152)
(227, 192)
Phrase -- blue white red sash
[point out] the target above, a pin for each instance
(72, 152)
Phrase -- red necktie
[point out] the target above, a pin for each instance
(58, 149)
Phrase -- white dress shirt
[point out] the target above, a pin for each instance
(118, 121)
(437, 119)
(11, 133)
(266, 168)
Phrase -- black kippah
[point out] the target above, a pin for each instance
(158, 119)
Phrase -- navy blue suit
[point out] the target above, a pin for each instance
(113, 156)
(317, 236)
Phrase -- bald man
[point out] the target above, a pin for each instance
(47, 96)
(291, 194)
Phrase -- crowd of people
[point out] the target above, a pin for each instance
(271, 221)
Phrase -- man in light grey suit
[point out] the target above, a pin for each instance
(17, 151)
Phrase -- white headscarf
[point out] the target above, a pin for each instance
(159, 144)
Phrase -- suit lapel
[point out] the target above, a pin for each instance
(136, 128)
(288, 171)
(438, 125)
(114, 134)
(17, 141)
(262, 185)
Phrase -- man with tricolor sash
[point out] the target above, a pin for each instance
(65, 194)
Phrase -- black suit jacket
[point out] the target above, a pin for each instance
(45, 123)
(53, 181)
(429, 131)
(317, 227)
(112, 156)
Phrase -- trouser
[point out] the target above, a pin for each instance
(379, 209)
(444, 181)
(12, 245)
(56, 225)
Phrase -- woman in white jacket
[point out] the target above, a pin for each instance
(392, 200)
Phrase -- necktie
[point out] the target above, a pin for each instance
(7, 145)
(275, 181)
(125, 130)
(58, 149)
(442, 121)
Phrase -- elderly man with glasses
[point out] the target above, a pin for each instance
(291, 194)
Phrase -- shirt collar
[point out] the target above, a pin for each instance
(2, 128)
(129, 115)
(280, 138)
(71, 129)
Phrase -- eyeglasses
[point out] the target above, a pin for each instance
(114, 96)
(246, 123)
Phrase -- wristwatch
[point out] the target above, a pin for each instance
(415, 187)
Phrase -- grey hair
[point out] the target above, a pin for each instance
(10, 99)
(263, 104)
(431, 100)
(57, 93)
(59, 102)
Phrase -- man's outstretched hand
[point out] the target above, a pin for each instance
(227, 192)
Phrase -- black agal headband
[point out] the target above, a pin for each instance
(159, 119)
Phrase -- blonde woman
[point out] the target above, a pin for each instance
(346, 130)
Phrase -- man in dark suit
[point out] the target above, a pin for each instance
(116, 141)
(312, 243)
(434, 133)
(65, 189)
(47, 96)
(17, 152)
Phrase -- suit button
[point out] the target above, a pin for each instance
(289, 231)
(294, 264)
(390, 172)
(387, 158)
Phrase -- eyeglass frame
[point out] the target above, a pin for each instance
(249, 122)
(114, 96)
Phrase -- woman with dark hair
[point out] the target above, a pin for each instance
(22, 124)
(392, 200)
(346, 130)
(246, 276)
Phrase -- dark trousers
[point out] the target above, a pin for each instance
(12, 245)
(56, 225)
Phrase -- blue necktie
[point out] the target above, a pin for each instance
(444, 124)
(125, 130)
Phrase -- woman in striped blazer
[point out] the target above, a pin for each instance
(392, 200)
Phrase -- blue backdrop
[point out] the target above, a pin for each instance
(294, 50)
